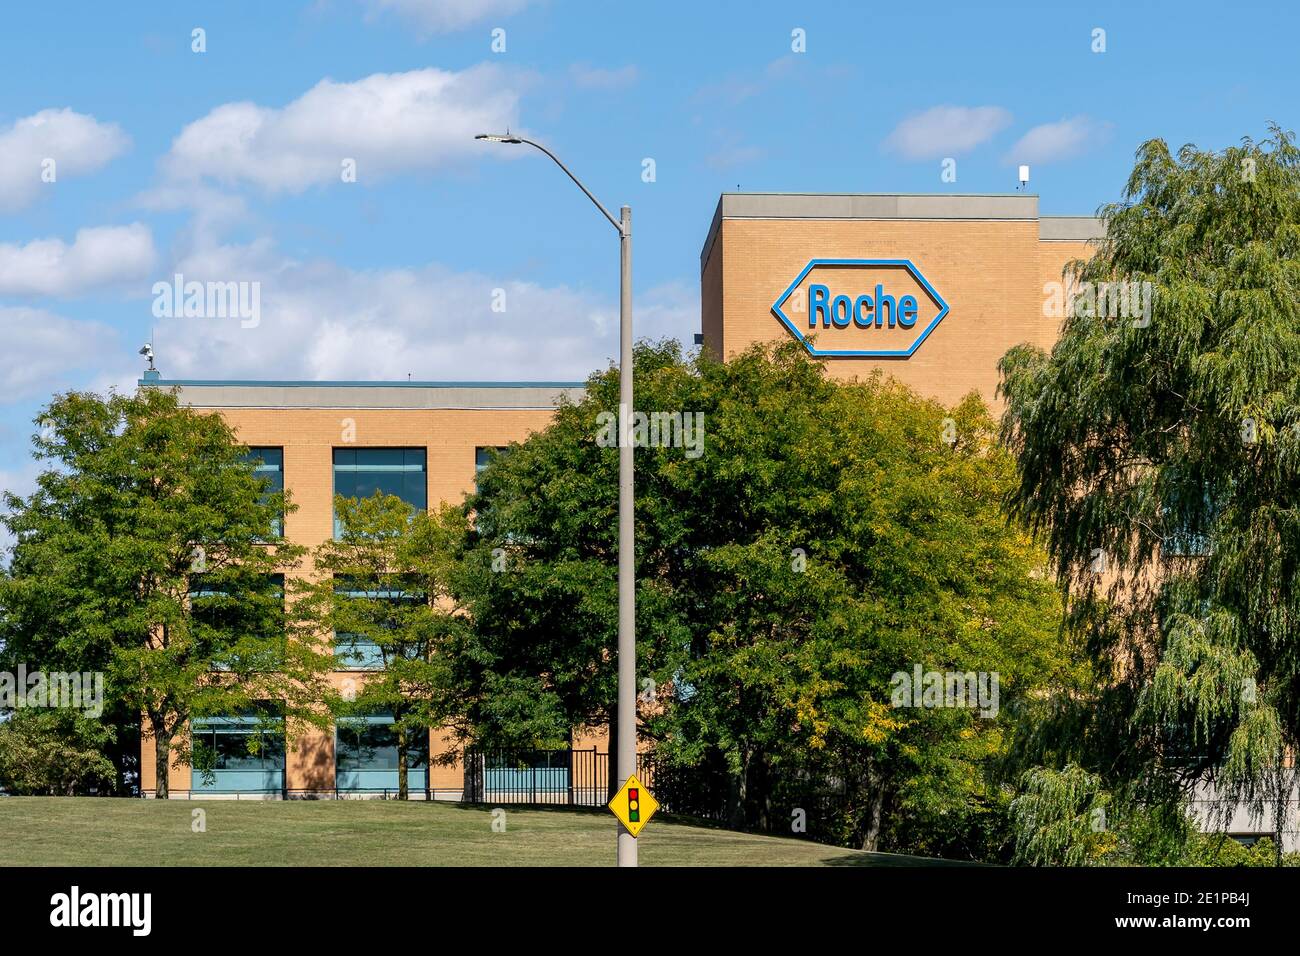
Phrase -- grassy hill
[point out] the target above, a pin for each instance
(82, 831)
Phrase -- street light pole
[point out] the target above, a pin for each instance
(626, 539)
(626, 711)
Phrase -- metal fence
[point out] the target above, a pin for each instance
(311, 793)
(578, 778)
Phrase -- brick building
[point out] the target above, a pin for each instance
(933, 289)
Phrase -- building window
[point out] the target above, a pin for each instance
(1248, 840)
(1191, 536)
(362, 472)
(354, 652)
(483, 455)
(1185, 544)
(365, 755)
(268, 464)
(361, 651)
(482, 458)
(218, 620)
(242, 753)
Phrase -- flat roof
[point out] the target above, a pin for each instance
(952, 206)
(244, 393)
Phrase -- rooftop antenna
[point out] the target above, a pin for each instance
(1024, 177)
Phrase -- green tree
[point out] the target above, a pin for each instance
(825, 537)
(54, 753)
(147, 552)
(382, 589)
(1160, 460)
(539, 580)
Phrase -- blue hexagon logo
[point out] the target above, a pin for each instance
(865, 308)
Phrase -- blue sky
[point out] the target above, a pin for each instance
(226, 165)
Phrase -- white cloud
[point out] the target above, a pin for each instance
(446, 16)
(99, 257)
(214, 210)
(670, 310)
(42, 348)
(386, 123)
(321, 320)
(597, 78)
(1061, 140)
(946, 131)
(77, 144)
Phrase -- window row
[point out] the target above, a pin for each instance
(215, 615)
(246, 753)
(362, 472)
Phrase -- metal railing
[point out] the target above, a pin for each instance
(311, 793)
(578, 778)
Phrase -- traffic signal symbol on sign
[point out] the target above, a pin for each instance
(634, 805)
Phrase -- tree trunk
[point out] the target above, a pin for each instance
(402, 792)
(740, 793)
(162, 759)
(472, 776)
(760, 789)
(875, 812)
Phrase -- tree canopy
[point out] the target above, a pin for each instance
(149, 552)
(829, 537)
(1160, 460)
(381, 591)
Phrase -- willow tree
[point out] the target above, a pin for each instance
(1160, 459)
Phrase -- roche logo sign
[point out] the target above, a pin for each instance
(864, 308)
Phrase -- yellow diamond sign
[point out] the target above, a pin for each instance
(633, 805)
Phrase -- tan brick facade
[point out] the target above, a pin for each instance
(308, 436)
(989, 259)
(990, 271)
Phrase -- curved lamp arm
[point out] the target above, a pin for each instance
(519, 139)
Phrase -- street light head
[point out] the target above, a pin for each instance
(496, 138)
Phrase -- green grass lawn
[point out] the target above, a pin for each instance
(84, 831)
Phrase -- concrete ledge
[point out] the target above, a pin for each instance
(991, 206)
(877, 206)
(1070, 228)
(414, 395)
